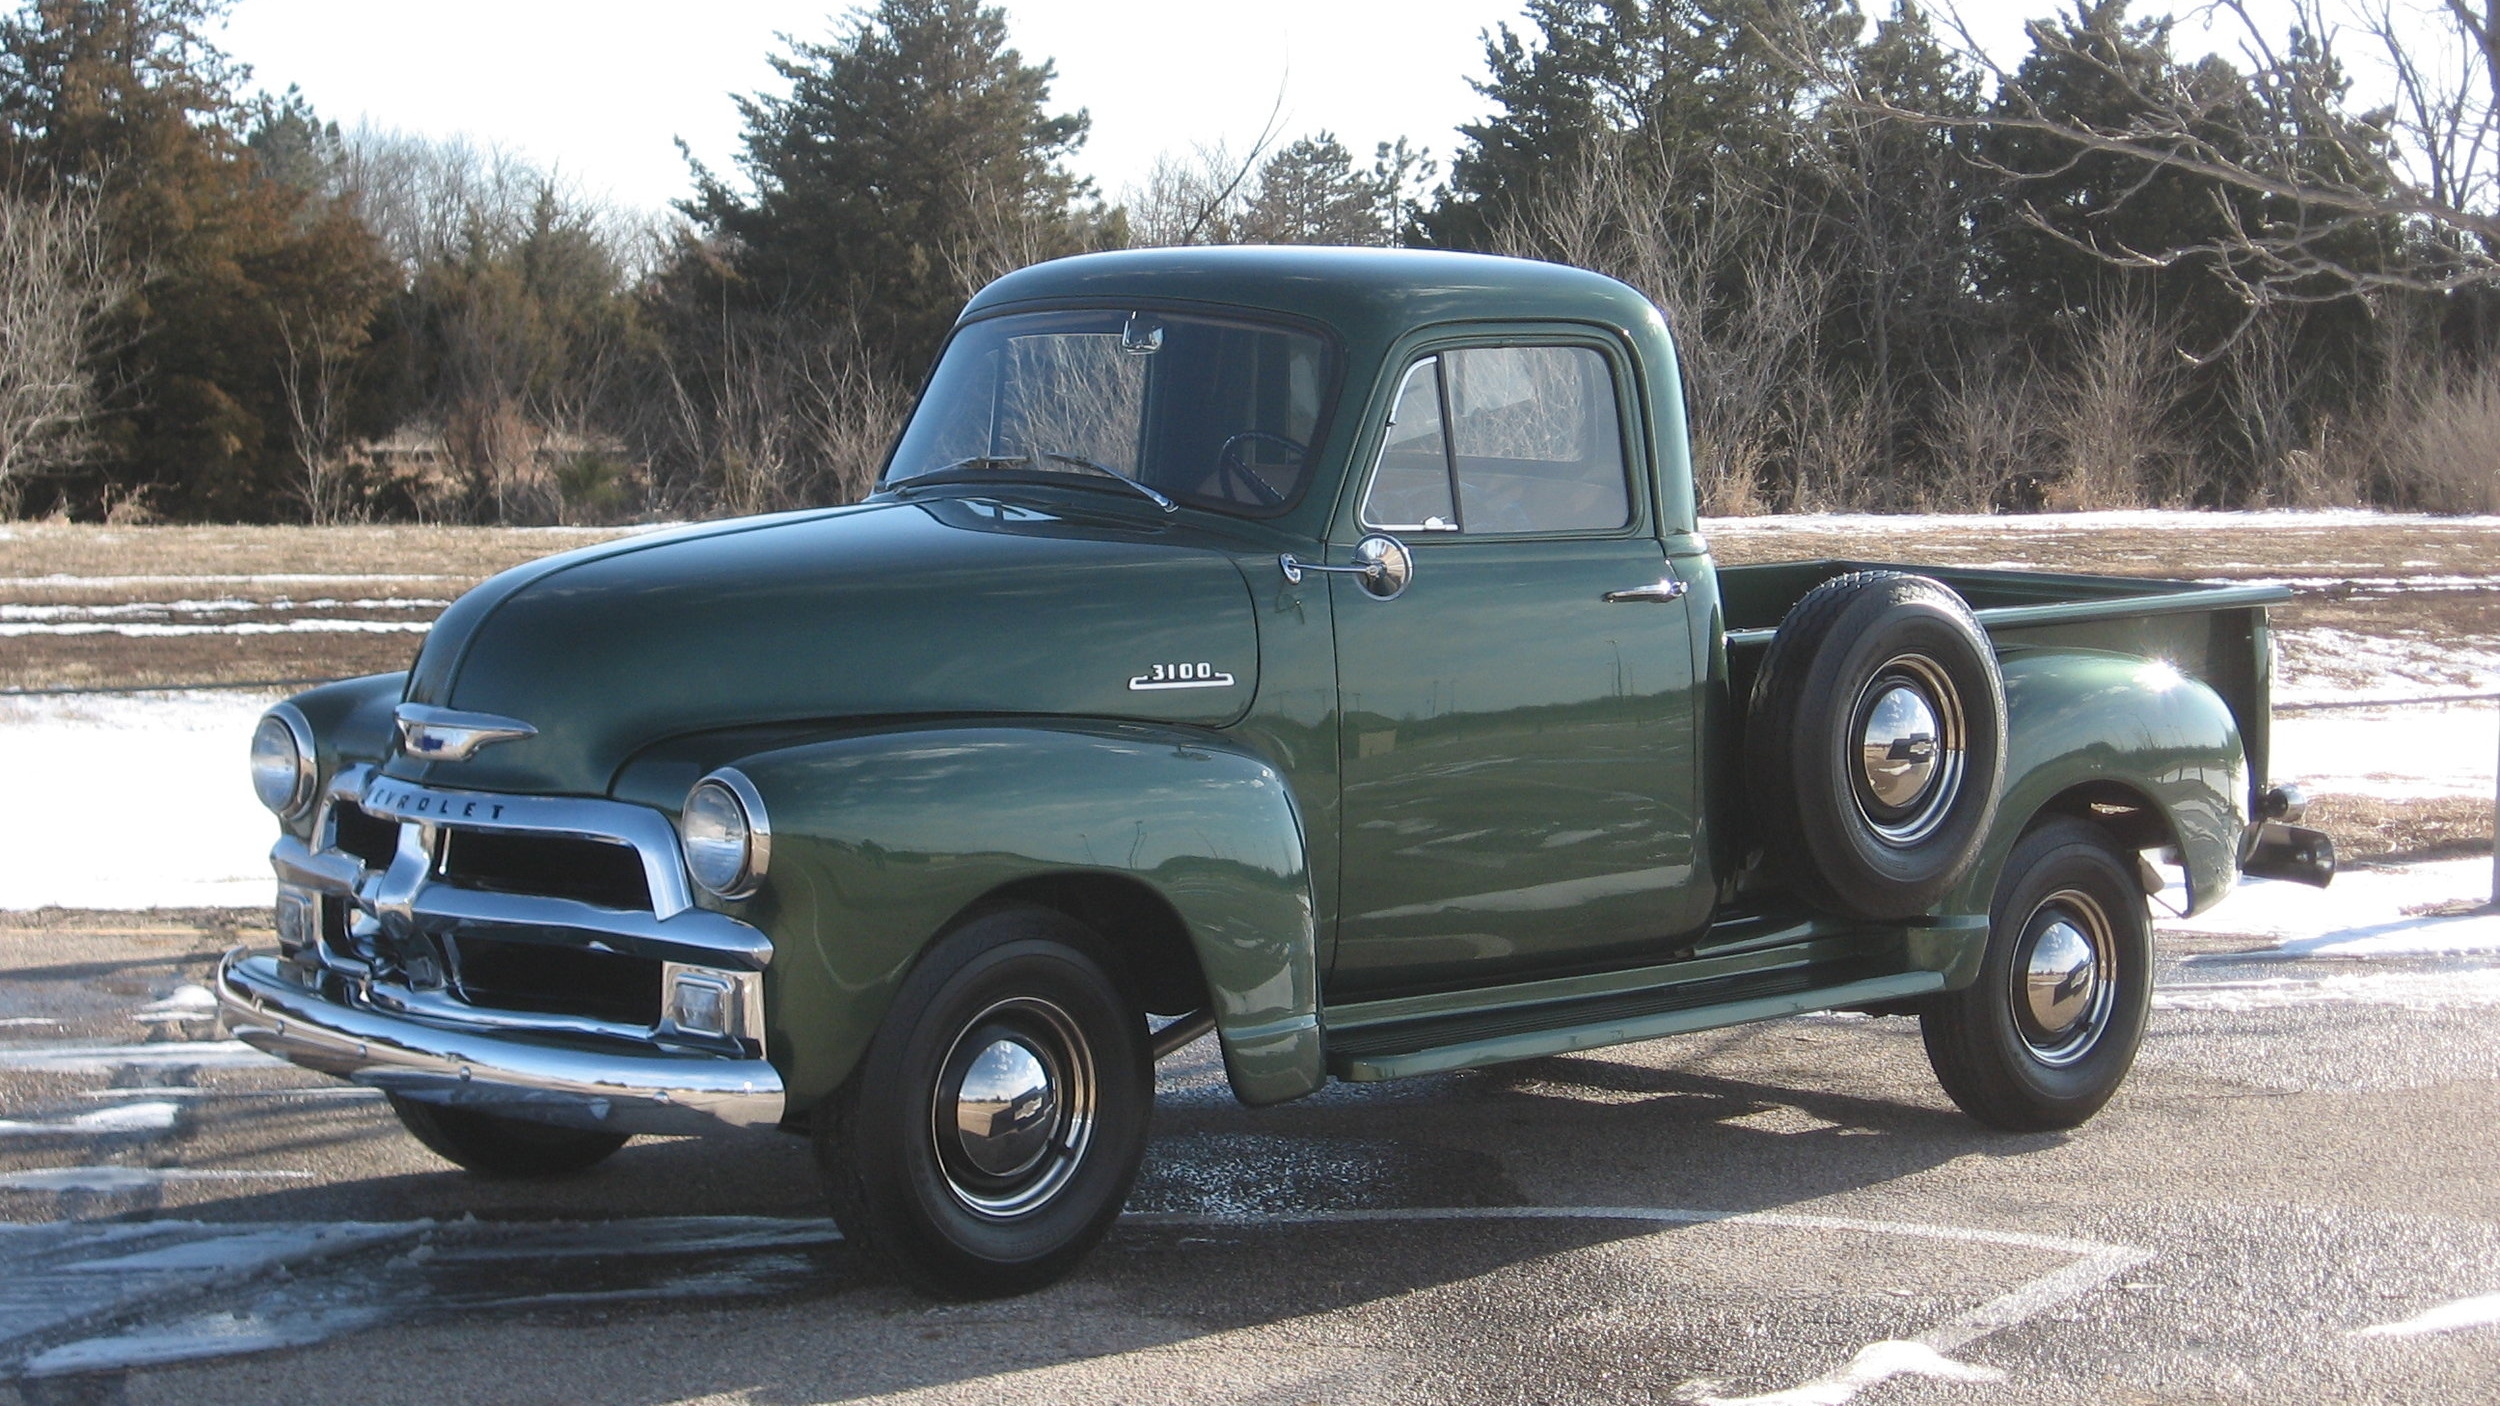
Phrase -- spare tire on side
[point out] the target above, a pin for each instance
(1875, 744)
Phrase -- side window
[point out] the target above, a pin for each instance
(1538, 444)
(1503, 440)
(1410, 489)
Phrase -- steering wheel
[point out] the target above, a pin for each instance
(1230, 468)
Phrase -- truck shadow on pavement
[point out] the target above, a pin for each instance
(1248, 1228)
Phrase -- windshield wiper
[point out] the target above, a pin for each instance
(1114, 475)
(978, 466)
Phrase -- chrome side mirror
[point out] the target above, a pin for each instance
(1381, 562)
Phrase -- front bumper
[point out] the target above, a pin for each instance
(572, 1084)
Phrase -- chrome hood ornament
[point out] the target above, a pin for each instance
(432, 734)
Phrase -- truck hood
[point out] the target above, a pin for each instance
(959, 607)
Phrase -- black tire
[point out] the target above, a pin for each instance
(963, 1215)
(1991, 1048)
(1859, 653)
(494, 1146)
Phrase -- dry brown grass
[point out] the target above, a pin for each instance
(377, 574)
(2378, 830)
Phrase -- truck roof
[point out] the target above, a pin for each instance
(1368, 296)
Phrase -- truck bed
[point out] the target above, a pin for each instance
(2215, 634)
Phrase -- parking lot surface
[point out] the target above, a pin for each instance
(2294, 1200)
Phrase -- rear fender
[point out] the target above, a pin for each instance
(880, 840)
(2086, 717)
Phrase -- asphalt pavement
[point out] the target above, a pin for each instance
(2295, 1199)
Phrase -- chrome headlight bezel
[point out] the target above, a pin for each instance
(286, 781)
(726, 835)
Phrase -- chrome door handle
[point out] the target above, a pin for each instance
(1669, 589)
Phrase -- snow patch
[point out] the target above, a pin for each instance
(80, 767)
(2400, 754)
(2288, 520)
(65, 582)
(2362, 914)
(235, 1251)
(115, 1178)
(109, 1059)
(152, 1116)
(187, 1003)
(193, 1339)
(2416, 991)
(2322, 664)
(231, 606)
(245, 627)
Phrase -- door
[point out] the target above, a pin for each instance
(1518, 750)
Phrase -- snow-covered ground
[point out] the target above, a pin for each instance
(2161, 519)
(2393, 752)
(132, 802)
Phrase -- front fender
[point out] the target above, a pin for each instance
(351, 723)
(880, 838)
(2078, 717)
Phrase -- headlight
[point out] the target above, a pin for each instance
(282, 761)
(728, 840)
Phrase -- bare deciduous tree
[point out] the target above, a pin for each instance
(1746, 345)
(2110, 414)
(59, 287)
(2296, 191)
(314, 373)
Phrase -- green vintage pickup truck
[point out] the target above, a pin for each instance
(1311, 646)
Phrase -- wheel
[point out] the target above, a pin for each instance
(1875, 744)
(2046, 1034)
(1231, 468)
(995, 1126)
(494, 1146)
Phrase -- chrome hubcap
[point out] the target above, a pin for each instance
(2065, 981)
(1014, 1107)
(1004, 1109)
(1910, 740)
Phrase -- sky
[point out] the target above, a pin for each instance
(601, 92)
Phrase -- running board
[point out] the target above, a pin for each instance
(1362, 1051)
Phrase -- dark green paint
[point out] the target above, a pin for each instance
(2087, 718)
(945, 608)
(351, 723)
(882, 839)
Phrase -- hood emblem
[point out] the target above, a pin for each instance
(432, 734)
(1163, 676)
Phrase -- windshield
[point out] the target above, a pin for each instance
(1213, 413)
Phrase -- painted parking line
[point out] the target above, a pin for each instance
(2096, 1263)
(2481, 1311)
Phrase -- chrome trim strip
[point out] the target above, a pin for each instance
(509, 1074)
(647, 830)
(327, 871)
(697, 936)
